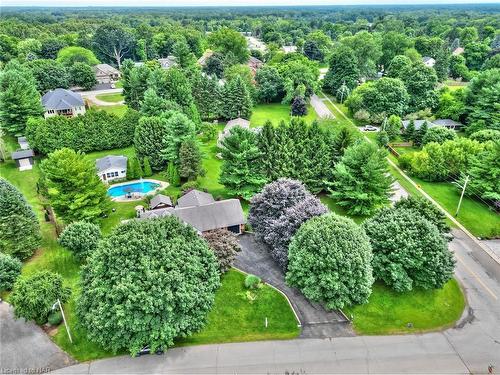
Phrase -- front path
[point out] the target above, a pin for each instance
(316, 321)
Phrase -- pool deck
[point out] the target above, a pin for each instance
(138, 196)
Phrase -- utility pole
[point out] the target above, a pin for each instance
(58, 303)
(462, 195)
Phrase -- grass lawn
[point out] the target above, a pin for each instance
(234, 318)
(389, 312)
(118, 109)
(276, 112)
(334, 207)
(111, 98)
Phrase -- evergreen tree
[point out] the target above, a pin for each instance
(179, 129)
(135, 83)
(19, 227)
(173, 174)
(153, 105)
(237, 101)
(149, 140)
(266, 141)
(241, 171)
(19, 98)
(484, 173)
(147, 167)
(190, 161)
(420, 133)
(382, 138)
(136, 168)
(207, 96)
(341, 141)
(442, 65)
(360, 181)
(73, 188)
(299, 106)
(409, 132)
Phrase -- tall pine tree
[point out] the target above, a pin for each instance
(241, 171)
(190, 161)
(237, 100)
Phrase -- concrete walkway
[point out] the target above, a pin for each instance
(321, 109)
(315, 320)
(25, 346)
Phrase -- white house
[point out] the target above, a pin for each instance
(428, 61)
(111, 167)
(62, 102)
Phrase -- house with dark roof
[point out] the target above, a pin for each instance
(111, 167)
(24, 159)
(203, 212)
(160, 201)
(105, 73)
(62, 102)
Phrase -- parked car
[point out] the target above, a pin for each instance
(369, 128)
(147, 350)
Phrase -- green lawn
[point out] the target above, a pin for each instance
(118, 109)
(276, 112)
(334, 207)
(389, 312)
(111, 98)
(234, 318)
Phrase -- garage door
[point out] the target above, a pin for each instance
(24, 164)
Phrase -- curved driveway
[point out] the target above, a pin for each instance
(470, 347)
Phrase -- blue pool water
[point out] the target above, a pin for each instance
(135, 187)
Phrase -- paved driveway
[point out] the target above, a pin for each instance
(316, 321)
(320, 107)
(24, 346)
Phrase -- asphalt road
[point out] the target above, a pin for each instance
(470, 347)
(24, 346)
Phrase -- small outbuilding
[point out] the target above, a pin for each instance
(111, 167)
(429, 61)
(24, 159)
(160, 201)
(105, 73)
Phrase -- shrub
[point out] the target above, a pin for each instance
(330, 261)
(189, 185)
(408, 250)
(225, 246)
(81, 238)
(426, 209)
(55, 318)
(486, 135)
(10, 269)
(252, 281)
(34, 295)
(439, 135)
(147, 283)
(19, 228)
(209, 131)
(362, 115)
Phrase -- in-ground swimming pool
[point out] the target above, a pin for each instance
(142, 187)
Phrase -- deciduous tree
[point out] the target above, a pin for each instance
(81, 238)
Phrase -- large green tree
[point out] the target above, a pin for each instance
(360, 181)
(237, 101)
(113, 42)
(368, 50)
(484, 173)
(19, 227)
(70, 55)
(148, 282)
(343, 70)
(72, 186)
(241, 171)
(49, 75)
(421, 82)
(329, 261)
(190, 160)
(179, 130)
(81, 238)
(150, 139)
(19, 98)
(82, 75)
(408, 250)
(230, 44)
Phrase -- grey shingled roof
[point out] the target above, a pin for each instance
(167, 62)
(448, 122)
(218, 214)
(195, 198)
(106, 69)
(23, 154)
(160, 199)
(23, 143)
(418, 123)
(62, 99)
(111, 161)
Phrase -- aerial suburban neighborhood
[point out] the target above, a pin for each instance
(268, 187)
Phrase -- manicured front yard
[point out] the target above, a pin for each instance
(389, 312)
(276, 112)
(234, 318)
(118, 109)
(111, 98)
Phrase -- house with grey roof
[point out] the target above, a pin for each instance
(167, 62)
(62, 102)
(105, 73)
(111, 167)
(203, 212)
(241, 122)
(160, 201)
(24, 159)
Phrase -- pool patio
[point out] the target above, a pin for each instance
(136, 195)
